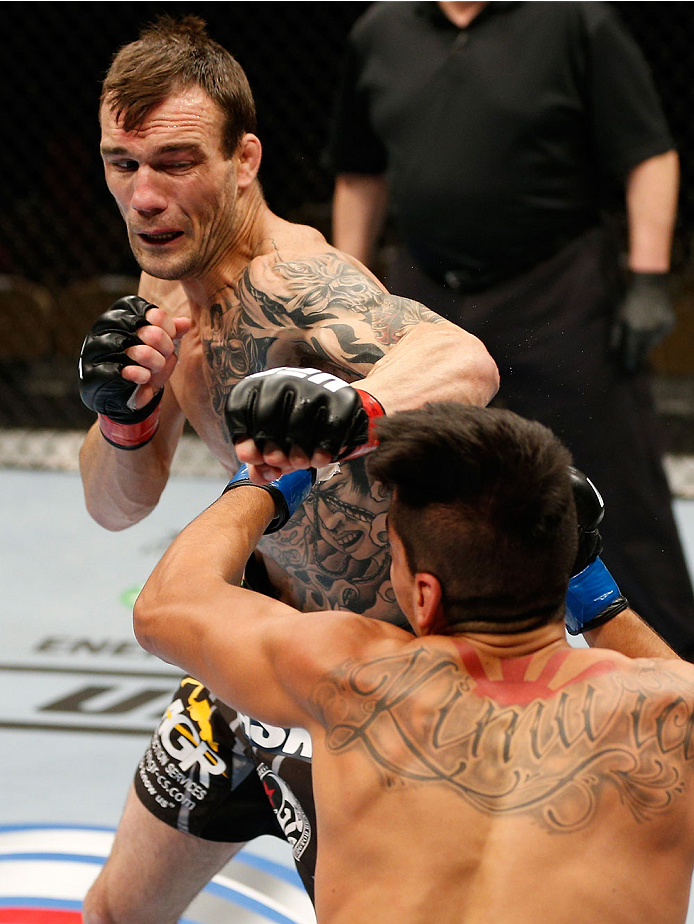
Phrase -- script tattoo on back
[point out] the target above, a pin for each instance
(319, 311)
(515, 746)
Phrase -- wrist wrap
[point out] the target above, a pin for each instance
(374, 410)
(592, 599)
(136, 434)
(288, 492)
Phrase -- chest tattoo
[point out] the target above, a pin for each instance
(319, 311)
(335, 548)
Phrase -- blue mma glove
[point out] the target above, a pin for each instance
(288, 492)
(593, 597)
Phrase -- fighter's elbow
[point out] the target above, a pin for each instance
(145, 620)
(487, 379)
(472, 372)
(112, 519)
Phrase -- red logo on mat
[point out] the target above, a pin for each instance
(39, 916)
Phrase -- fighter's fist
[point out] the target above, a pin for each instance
(590, 509)
(593, 596)
(103, 357)
(123, 352)
(307, 409)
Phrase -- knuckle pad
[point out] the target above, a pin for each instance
(106, 392)
(103, 356)
(589, 507)
(239, 409)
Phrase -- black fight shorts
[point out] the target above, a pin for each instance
(221, 776)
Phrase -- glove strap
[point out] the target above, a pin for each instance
(129, 436)
(288, 492)
(374, 410)
(592, 599)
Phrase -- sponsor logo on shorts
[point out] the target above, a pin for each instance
(292, 742)
(181, 760)
(290, 815)
(181, 739)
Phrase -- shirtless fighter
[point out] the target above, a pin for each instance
(482, 770)
(229, 289)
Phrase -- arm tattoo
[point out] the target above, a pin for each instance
(525, 748)
(320, 310)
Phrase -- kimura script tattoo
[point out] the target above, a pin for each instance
(525, 747)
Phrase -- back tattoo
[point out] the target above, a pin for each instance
(512, 746)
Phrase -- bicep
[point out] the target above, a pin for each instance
(330, 307)
(363, 323)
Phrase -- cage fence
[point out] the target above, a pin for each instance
(64, 256)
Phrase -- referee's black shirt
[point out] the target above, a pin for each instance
(495, 137)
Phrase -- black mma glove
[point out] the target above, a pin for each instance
(593, 597)
(102, 387)
(305, 408)
(644, 318)
(288, 492)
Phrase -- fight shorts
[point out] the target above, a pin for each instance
(222, 776)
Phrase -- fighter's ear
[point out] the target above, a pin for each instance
(427, 603)
(249, 153)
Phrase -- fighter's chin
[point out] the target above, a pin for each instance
(163, 266)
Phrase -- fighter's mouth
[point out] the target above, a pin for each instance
(161, 237)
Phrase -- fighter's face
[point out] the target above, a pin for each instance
(174, 187)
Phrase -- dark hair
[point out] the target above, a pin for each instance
(482, 500)
(172, 55)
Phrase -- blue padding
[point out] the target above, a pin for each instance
(289, 492)
(590, 593)
(294, 487)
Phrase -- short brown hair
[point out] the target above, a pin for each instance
(482, 500)
(172, 55)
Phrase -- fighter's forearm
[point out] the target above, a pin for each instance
(360, 203)
(651, 198)
(121, 486)
(628, 634)
(433, 362)
(207, 556)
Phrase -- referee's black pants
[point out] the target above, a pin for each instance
(547, 330)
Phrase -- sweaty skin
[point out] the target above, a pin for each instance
(237, 290)
(476, 777)
(316, 310)
(240, 290)
(587, 768)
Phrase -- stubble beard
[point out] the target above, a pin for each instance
(171, 269)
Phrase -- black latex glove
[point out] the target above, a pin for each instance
(644, 318)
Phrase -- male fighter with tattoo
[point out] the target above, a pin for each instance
(228, 289)
(481, 770)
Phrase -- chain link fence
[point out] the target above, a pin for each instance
(64, 255)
